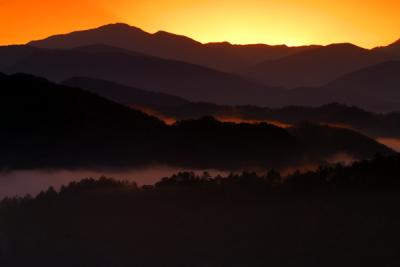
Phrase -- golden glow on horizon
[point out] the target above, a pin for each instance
(367, 23)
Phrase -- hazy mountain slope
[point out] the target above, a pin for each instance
(10, 55)
(382, 79)
(315, 67)
(376, 87)
(223, 56)
(185, 80)
(124, 94)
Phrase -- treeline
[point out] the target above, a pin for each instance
(380, 174)
(335, 216)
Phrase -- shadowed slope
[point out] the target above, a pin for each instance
(192, 82)
(377, 87)
(126, 95)
(316, 67)
(10, 55)
(379, 80)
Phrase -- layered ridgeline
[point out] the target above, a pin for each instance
(172, 108)
(193, 82)
(49, 125)
(373, 88)
(180, 66)
(219, 73)
(275, 65)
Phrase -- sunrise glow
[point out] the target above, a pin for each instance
(367, 23)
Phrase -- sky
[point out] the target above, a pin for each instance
(367, 23)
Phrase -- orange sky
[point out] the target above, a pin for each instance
(367, 23)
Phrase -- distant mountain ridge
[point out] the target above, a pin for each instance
(220, 73)
(221, 56)
(281, 66)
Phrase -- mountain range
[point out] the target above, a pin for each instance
(274, 65)
(219, 73)
(222, 56)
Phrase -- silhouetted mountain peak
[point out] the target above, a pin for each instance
(119, 27)
(173, 37)
(345, 46)
(222, 56)
(117, 34)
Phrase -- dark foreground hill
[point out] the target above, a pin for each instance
(338, 216)
(46, 125)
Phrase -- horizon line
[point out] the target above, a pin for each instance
(192, 38)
